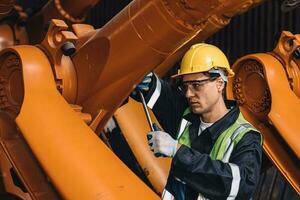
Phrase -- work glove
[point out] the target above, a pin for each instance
(162, 144)
(143, 86)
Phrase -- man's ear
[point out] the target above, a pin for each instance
(220, 84)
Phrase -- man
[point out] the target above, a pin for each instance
(216, 152)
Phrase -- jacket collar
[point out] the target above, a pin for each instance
(222, 124)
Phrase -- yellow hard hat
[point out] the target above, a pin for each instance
(202, 58)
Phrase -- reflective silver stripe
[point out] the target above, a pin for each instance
(237, 132)
(235, 184)
(228, 153)
(236, 178)
(179, 180)
(155, 94)
(166, 195)
(230, 144)
(183, 124)
(201, 197)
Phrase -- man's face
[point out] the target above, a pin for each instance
(202, 91)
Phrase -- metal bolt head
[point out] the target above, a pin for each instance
(68, 49)
(297, 53)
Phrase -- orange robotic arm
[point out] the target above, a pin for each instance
(79, 165)
(266, 87)
(72, 11)
(98, 77)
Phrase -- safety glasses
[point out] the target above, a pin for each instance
(194, 85)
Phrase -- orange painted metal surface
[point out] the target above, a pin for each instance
(140, 38)
(263, 90)
(65, 74)
(213, 16)
(145, 36)
(6, 36)
(287, 52)
(156, 169)
(16, 160)
(77, 162)
(72, 11)
(11, 34)
(6, 7)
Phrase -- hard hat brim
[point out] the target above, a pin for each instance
(181, 74)
(229, 74)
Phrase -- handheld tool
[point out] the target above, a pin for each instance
(154, 126)
(146, 111)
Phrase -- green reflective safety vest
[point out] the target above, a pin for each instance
(226, 141)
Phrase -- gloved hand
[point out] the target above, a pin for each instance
(143, 86)
(162, 144)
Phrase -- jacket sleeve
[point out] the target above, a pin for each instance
(215, 179)
(167, 103)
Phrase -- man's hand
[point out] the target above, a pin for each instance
(161, 143)
(143, 86)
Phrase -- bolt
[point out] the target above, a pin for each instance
(242, 101)
(68, 49)
(297, 53)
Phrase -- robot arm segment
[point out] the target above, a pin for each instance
(77, 162)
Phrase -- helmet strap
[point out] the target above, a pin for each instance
(219, 71)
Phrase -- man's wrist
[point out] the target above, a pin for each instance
(178, 146)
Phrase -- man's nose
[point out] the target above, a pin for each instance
(189, 92)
